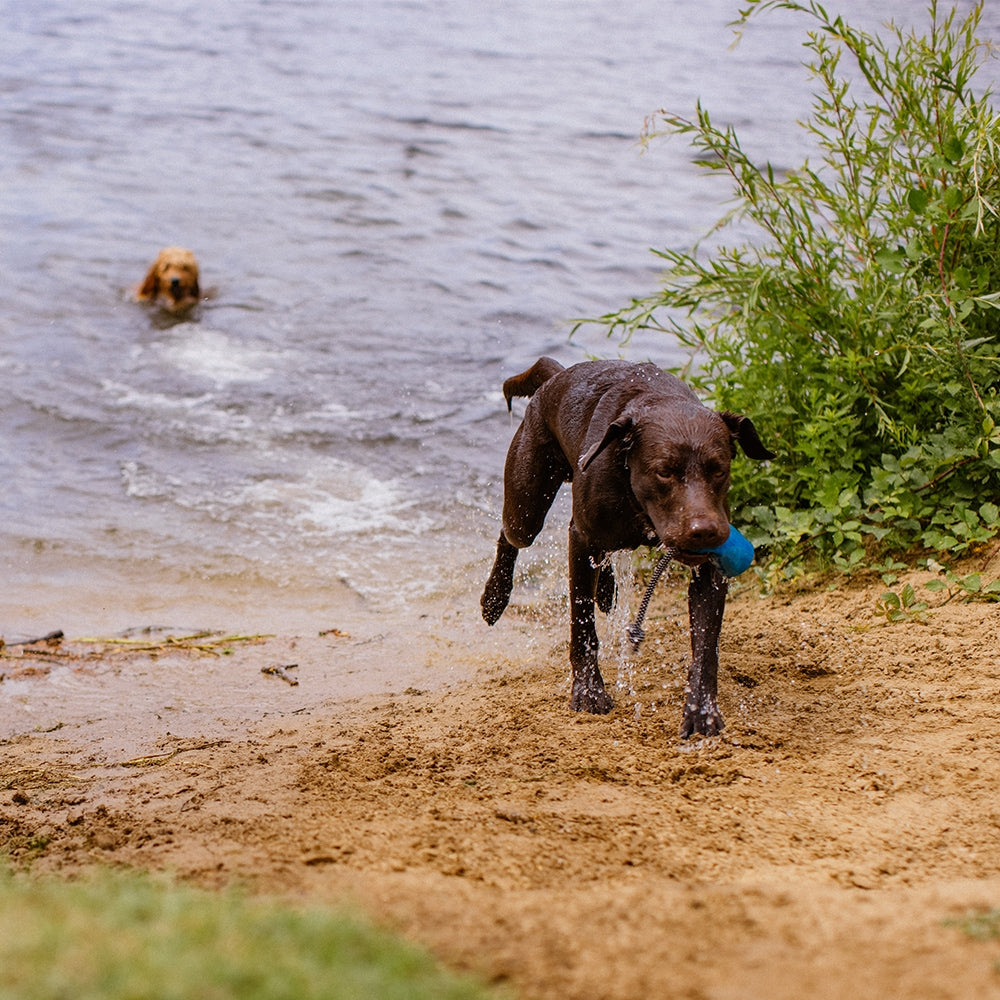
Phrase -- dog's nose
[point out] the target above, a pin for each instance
(175, 284)
(706, 533)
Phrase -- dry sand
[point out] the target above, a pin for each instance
(819, 848)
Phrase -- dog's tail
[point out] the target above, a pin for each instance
(527, 383)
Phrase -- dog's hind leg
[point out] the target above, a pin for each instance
(496, 593)
(532, 477)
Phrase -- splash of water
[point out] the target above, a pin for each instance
(615, 642)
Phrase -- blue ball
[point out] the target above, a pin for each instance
(734, 555)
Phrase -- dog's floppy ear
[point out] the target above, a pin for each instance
(150, 288)
(743, 432)
(619, 430)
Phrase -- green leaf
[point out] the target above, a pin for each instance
(917, 199)
(893, 261)
(953, 149)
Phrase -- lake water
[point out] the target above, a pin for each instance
(397, 204)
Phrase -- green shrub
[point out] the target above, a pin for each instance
(860, 329)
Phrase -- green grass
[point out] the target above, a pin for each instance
(132, 937)
(983, 925)
(980, 925)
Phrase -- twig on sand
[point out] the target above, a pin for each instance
(213, 643)
(51, 639)
(153, 759)
(282, 672)
(201, 641)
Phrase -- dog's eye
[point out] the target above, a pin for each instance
(669, 473)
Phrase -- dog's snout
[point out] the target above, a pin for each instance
(706, 532)
(175, 284)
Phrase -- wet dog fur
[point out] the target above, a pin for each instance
(649, 465)
(172, 281)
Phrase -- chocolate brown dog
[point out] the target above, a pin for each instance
(649, 465)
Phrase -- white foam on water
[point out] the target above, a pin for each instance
(336, 499)
(141, 483)
(128, 397)
(213, 355)
(196, 418)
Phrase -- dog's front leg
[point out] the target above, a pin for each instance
(588, 684)
(706, 606)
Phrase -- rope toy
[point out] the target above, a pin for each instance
(733, 557)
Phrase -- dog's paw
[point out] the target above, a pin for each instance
(586, 698)
(494, 604)
(701, 720)
(496, 593)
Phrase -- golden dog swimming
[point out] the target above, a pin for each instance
(172, 281)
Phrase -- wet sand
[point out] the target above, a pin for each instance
(818, 848)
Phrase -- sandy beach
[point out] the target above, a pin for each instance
(822, 846)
